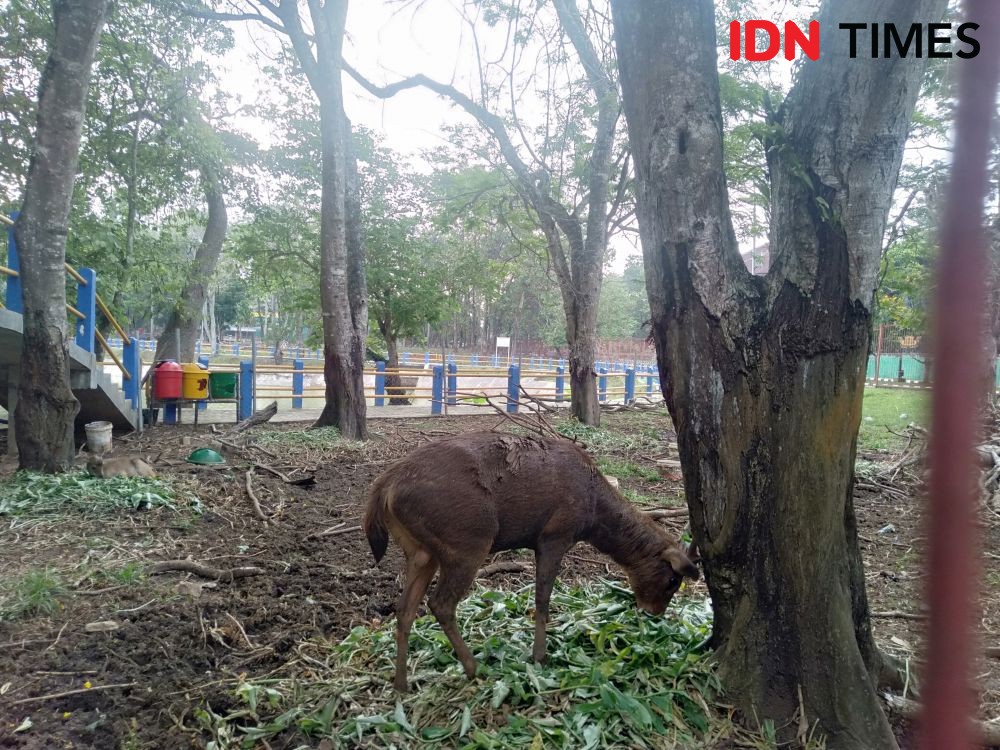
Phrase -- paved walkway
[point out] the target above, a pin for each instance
(226, 414)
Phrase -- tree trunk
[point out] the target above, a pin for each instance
(46, 406)
(341, 299)
(186, 314)
(581, 335)
(763, 376)
(394, 381)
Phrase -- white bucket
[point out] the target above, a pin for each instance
(98, 437)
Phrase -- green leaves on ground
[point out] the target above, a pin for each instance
(31, 494)
(615, 677)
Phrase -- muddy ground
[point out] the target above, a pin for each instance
(180, 644)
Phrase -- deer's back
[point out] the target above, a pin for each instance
(505, 489)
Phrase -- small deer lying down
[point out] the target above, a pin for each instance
(128, 466)
(451, 503)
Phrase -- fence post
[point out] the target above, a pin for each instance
(298, 382)
(133, 365)
(629, 385)
(236, 350)
(15, 300)
(246, 390)
(452, 384)
(513, 388)
(202, 405)
(649, 380)
(86, 302)
(380, 384)
(496, 361)
(197, 349)
(602, 384)
(560, 383)
(437, 389)
(427, 358)
(406, 358)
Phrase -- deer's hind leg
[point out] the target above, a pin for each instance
(457, 575)
(420, 568)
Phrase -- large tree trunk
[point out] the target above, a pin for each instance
(185, 316)
(46, 406)
(764, 377)
(343, 296)
(343, 348)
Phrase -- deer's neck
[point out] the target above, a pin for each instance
(621, 532)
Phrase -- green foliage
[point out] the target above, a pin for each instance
(615, 677)
(30, 494)
(36, 592)
(624, 309)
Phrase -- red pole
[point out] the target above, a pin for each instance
(878, 351)
(957, 400)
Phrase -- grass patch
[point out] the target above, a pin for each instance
(29, 493)
(627, 469)
(127, 575)
(321, 437)
(602, 441)
(615, 678)
(894, 408)
(37, 592)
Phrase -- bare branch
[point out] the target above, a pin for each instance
(218, 16)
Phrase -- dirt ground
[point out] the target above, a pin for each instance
(182, 642)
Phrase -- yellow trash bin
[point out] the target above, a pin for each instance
(195, 381)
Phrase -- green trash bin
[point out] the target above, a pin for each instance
(222, 384)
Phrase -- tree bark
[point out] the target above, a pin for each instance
(46, 406)
(186, 314)
(343, 296)
(764, 376)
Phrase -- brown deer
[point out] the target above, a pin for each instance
(451, 503)
(128, 466)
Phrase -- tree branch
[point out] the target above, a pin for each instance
(219, 16)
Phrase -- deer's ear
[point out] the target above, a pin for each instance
(680, 562)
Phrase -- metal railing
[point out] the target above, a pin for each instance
(84, 314)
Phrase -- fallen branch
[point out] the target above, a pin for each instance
(216, 574)
(53, 696)
(899, 615)
(332, 531)
(501, 567)
(258, 511)
(283, 477)
(666, 512)
(986, 732)
(258, 417)
(993, 652)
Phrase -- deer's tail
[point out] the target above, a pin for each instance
(374, 522)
